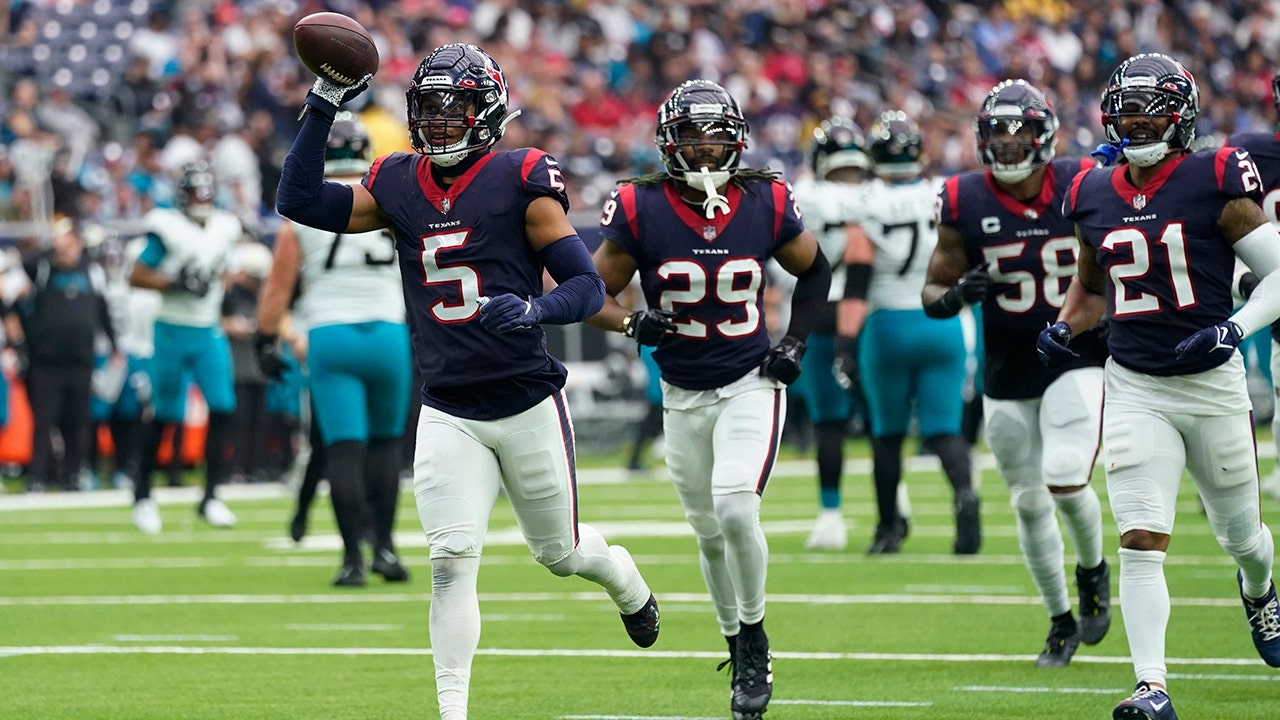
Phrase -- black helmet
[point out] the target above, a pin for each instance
(1152, 85)
(700, 112)
(457, 86)
(1015, 113)
(348, 151)
(837, 143)
(895, 146)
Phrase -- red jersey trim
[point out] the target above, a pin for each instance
(1015, 206)
(531, 158)
(694, 220)
(779, 202)
(373, 171)
(627, 200)
(436, 194)
(1220, 163)
(1128, 192)
(952, 188)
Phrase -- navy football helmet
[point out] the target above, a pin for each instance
(1151, 85)
(896, 146)
(837, 142)
(457, 86)
(348, 151)
(194, 189)
(1015, 119)
(700, 112)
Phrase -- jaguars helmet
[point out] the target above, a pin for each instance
(194, 189)
(1151, 85)
(1015, 115)
(700, 112)
(895, 146)
(348, 151)
(457, 86)
(837, 143)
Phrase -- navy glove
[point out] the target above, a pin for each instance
(1225, 335)
(507, 312)
(191, 281)
(270, 361)
(782, 362)
(1051, 345)
(649, 326)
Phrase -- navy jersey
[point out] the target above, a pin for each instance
(1030, 251)
(710, 272)
(1264, 148)
(457, 243)
(1169, 269)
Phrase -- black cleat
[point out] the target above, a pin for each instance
(968, 523)
(733, 652)
(298, 526)
(753, 674)
(1095, 602)
(888, 540)
(351, 574)
(387, 564)
(642, 625)
(1064, 638)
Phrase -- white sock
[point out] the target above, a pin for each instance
(610, 567)
(1042, 548)
(455, 630)
(715, 572)
(1255, 564)
(746, 551)
(1082, 516)
(1144, 603)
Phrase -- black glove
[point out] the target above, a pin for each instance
(506, 312)
(270, 361)
(782, 362)
(1051, 345)
(649, 326)
(1248, 283)
(1225, 335)
(973, 285)
(191, 281)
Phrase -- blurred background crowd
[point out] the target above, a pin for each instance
(101, 97)
(100, 100)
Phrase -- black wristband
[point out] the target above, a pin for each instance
(946, 306)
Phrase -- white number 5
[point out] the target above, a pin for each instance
(464, 277)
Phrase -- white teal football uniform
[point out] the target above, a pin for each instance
(352, 304)
(906, 358)
(190, 345)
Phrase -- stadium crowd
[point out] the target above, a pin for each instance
(105, 98)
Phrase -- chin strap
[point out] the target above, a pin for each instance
(715, 202)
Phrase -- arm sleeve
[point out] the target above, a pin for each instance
(1260, 250)
(809, 297)
(303, 195)
(580, 293)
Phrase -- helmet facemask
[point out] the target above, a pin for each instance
(1013, 146)
(457, 104)
(1150, 86)
(701, 135)
(194, 191)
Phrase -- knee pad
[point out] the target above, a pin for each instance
(1006, 433)
(452, 545)
(1066, 466)
(738, 513)
(705, 525)
(1031, 502)
(447, 572)
(566, 567)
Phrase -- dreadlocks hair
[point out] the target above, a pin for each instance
(741, 178)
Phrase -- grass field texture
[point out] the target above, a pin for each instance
(100, 622)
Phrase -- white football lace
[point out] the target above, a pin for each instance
(1267, 620)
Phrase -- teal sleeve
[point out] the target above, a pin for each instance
(153, 254)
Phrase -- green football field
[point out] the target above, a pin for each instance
(100, 622)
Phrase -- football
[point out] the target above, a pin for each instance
(335, 47)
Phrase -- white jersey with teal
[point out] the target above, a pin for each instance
(898, 218)
(175, 242)
(826, 208)
(348, 278)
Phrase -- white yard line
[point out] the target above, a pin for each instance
(597, 653)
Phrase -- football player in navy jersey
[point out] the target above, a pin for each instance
(1159, 236)
(474, 228)
(1264, 148)
(1003, 243)
(699, 235)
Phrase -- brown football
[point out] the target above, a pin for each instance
(335, 47)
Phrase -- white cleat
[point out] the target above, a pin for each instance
(829, 532)
(217, 514)
(146, 517)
